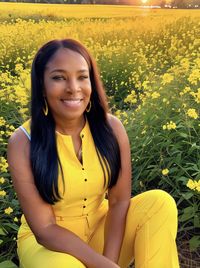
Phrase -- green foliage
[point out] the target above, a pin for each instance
(9, 207)
(164, 137)
(7, 264)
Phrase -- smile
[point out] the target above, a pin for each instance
(72, 103)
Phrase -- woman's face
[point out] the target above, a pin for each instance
(67, 85)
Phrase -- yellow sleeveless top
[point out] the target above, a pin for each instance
(83, 204)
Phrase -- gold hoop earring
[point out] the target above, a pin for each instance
(46, 109)
(88, 109)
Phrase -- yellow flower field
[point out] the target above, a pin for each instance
(149, 61)
(58, 11)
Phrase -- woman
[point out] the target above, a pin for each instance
(66, 159)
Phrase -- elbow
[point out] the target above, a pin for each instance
(44, 235)
(41, 239)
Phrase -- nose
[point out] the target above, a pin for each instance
(72, 85)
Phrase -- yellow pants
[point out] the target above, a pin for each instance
(151, 227)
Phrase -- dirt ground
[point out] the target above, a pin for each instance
(187, 258)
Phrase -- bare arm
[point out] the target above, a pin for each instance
(39, 214)
(118, 196)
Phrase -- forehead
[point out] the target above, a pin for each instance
(68, 60)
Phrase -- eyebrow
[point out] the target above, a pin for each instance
(63, 71)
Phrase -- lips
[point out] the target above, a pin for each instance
(72, 102)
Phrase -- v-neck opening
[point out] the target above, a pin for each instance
(68, 139)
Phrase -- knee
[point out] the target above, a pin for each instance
(165, 202)
(164, 197)
(155, 200)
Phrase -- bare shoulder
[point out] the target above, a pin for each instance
(37, 212)
(18, 152)
(18, 140)
(117, 127)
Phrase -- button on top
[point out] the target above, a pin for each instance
(84, 206)
(85, 199)
(85, 179)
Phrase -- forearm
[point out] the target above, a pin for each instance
(114, 230)
(59, 239)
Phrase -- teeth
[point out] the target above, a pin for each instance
(71, 101)
(76, 103)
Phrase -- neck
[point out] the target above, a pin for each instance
(70, 127)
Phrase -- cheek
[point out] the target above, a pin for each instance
(89, 89)
(51, 89)
(89, 92)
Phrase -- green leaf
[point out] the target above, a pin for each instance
(189, 210)
(2, 232)
(196, 221)
(188, 213)
(7, 264)
(194, 243)
(184, 135)
(188, 195)
(12, 226)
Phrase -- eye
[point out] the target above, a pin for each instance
(82, 77)
(58, 77)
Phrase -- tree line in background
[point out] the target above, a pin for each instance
(161, 3)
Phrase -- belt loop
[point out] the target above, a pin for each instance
(59, 218)
(87, 227)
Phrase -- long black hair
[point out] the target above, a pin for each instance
(43, 153)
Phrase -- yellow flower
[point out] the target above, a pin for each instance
(167, 78)
(193, 185)
(170, 125)
(131, 98)
(198, 188)
(19, 67)
(155, 95)
(190, 184)
(16, 219)
(118, 114)
(8, 210)
(2, 180)
(197, 96)
(192, 113)
(2, 121)
(165, 171)
(145, 84)
(11, 127)
(2, 193)
(186, 90)
(194, 77)
(3, 165)
(125, 122)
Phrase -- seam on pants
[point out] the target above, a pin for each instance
(149, 216)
